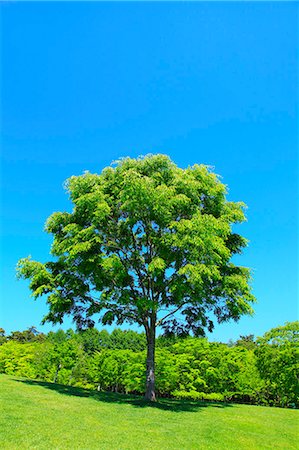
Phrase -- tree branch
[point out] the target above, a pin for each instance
(169, 314)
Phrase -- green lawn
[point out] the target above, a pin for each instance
(39, 415)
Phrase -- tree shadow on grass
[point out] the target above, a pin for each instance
(165, 404)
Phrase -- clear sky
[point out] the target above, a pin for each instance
(215, 83)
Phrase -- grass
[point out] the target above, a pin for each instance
(40, 415)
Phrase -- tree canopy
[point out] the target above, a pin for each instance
(147, 243)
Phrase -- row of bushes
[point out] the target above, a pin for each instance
(265, 372)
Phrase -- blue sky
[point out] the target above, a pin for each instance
(215, 83)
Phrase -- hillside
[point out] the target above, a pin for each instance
(40, 415)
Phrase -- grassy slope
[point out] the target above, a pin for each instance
(41, 415)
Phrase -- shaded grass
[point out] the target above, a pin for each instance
(165, 404)
(40, 415)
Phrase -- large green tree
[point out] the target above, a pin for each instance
(147, 243)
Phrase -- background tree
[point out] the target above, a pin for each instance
(147, 243)
(186, 367)
(3, 338)
(29, 335)
(246, 341)
(278, 362)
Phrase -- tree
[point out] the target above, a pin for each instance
(278, 362)
(246, 341)
(147, 243)
(29, 335)
(2, 336)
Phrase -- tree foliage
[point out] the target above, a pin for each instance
(278, 362)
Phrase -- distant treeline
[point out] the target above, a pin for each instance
(259, 371)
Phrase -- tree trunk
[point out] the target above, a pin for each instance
(57, 371)
(150, 365)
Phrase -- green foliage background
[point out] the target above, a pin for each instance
(262, 371)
